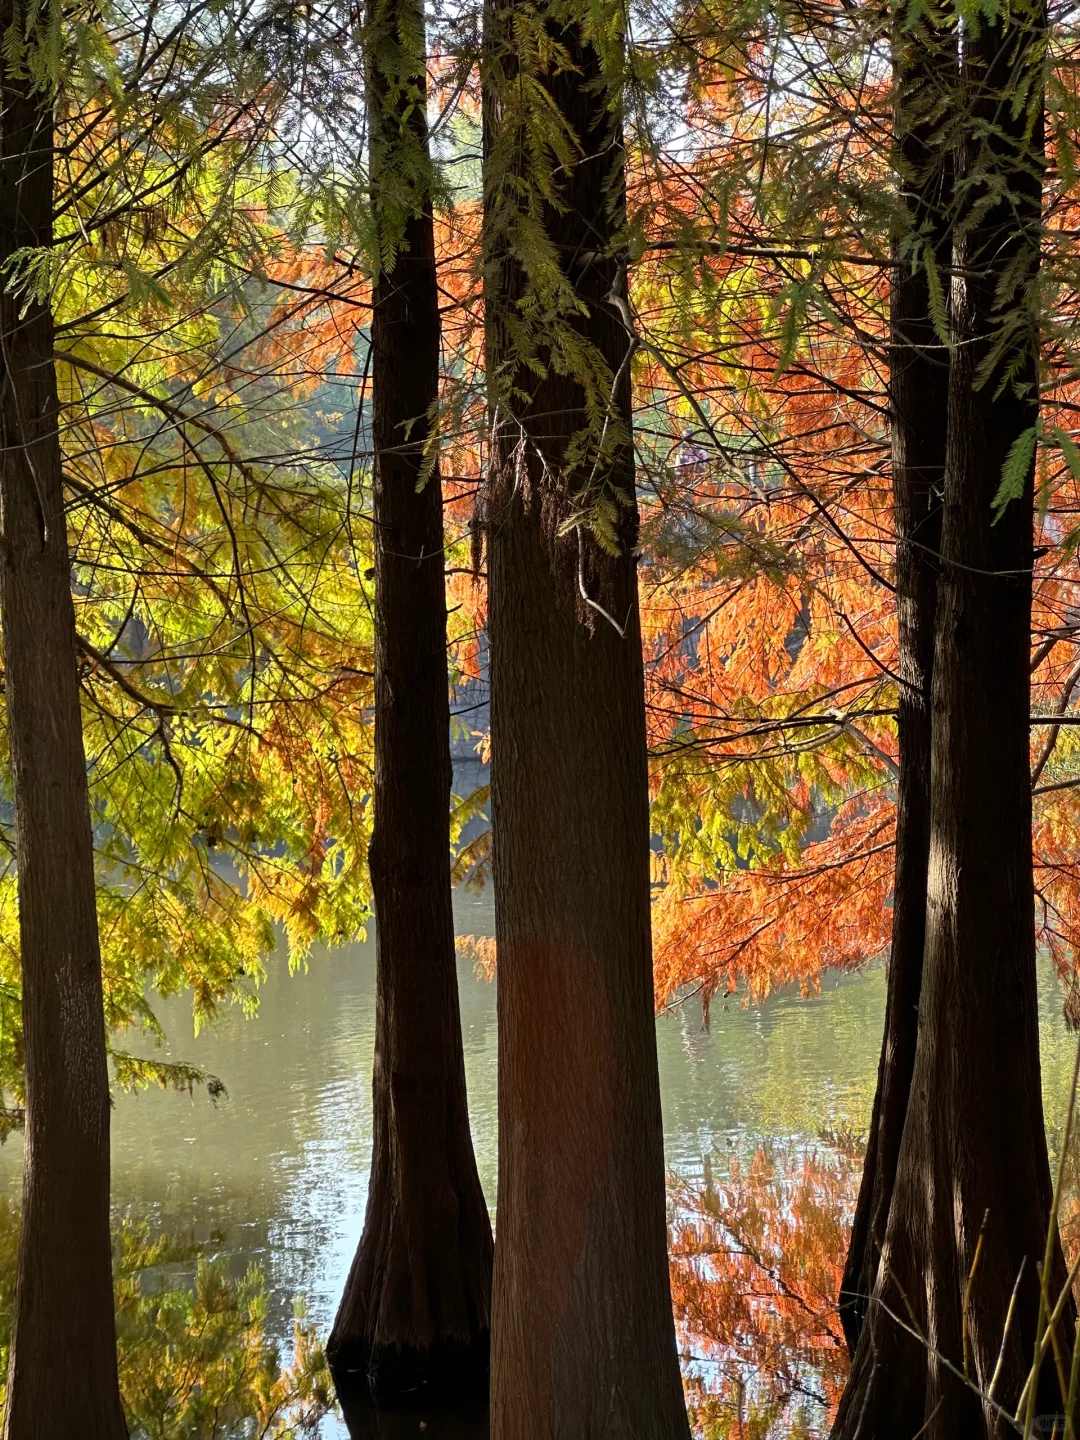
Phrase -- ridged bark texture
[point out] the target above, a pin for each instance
(415, 1315)
(923, 76)
(62, 1377)
(972, 1176)
(583, 1344)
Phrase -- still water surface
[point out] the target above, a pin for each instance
(276, 1174)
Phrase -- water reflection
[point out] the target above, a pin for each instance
(757, 1255)
(276, 1175)
(195, 1361)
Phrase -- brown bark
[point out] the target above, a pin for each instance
(414, 1318)
(972, 1170)
(582, 1334)
(62, 1377)
(918, 390)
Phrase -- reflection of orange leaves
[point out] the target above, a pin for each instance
(1069, 1207)
(756, 1262)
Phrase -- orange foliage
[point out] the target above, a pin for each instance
(768, 558)
(759, 290)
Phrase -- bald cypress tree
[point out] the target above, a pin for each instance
(924, 73)
(414, 1318)
(970, 1210)
(62, 1377)
(582, 1334)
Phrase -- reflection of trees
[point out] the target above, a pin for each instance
(195, 1360)
(1069, 1210)
(756, 1261)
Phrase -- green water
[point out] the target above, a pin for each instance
(277, 1172)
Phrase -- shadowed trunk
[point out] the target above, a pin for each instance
(415, 1313)
(62, 1379)
(583, 1340)
(923, 70)
(972, 1177)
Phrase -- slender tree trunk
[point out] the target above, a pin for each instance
(970, 1210)
(62, 1378)
(415, 1314)
(583, 1339)
(923, 68)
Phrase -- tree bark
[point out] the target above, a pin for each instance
(583, 1339)
(972, 1178)
(415, 1315)
(918, 390)
(62, 1376)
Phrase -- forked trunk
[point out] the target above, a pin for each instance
(414, 1318)
(62, 1377)
(923, 73)
(971, 1206)
(583, 1340)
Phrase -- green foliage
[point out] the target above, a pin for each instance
(219, 558)
(1016, 472)
(137, 1072)
(472, 860)
(531, 147)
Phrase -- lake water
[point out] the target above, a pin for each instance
(277, 1172)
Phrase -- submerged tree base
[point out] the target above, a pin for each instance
(366, 1421)
(447, 1374)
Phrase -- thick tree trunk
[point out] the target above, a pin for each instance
(918, 388)
(583, 1340)
(971, 1205)
(415, 1315)
(62, 1378)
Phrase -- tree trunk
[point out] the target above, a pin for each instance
(62, 1377)
(970, 1210)
(583, 1339)
(918, 387)
(415, 1314)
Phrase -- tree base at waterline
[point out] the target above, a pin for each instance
(447, 1374)
(421, 1415)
